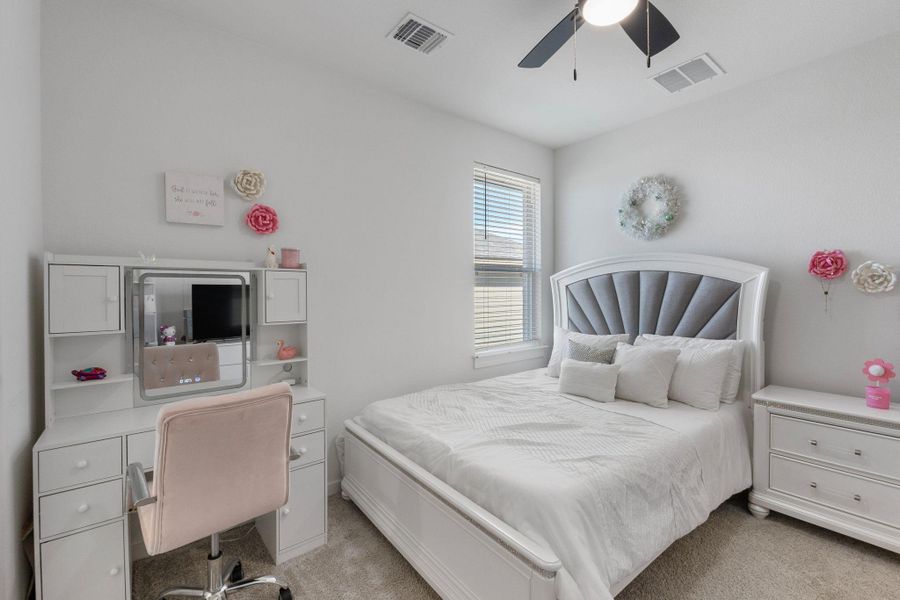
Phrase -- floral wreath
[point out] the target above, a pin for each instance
(663, 193)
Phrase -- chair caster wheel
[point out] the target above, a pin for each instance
(285, 594)
(237, 573)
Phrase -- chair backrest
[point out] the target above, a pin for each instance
(220, 461)
(168, 366)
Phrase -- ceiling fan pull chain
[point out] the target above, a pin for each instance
(648, 34)
(575, 44)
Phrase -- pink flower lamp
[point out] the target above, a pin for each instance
(880, 372)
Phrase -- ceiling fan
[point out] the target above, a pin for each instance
(647, 27)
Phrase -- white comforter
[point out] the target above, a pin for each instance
(606, 486)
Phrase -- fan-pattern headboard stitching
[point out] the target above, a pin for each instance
(659, 302)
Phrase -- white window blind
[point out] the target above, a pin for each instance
(506, 218)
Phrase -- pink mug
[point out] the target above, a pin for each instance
(290, 258)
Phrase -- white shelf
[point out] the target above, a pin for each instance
(271, 362)
(304, 393)
(74, 383)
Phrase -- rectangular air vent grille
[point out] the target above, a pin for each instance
(687, 74)
(419, 34)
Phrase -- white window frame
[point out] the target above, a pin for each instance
(530, 347)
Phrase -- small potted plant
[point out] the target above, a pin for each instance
(880, 372)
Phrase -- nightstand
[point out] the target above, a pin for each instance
(829, 460)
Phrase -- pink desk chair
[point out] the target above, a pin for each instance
(200, 444)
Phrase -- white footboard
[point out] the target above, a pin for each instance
(461, 550)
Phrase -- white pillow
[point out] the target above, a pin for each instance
(732, 383)
(699, 375)
(593, 380)
(645, 373)
(561, 337)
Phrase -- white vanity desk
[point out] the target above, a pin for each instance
(84, 539)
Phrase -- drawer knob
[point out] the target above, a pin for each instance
(81, 464)
(813, 442)
(857, 452)
(302, 418)
(302, 451)
(114, 571)
(83, 508)
(285, 511)
(857, 497)
(813, 484)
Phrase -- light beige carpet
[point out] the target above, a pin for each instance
(732, 556)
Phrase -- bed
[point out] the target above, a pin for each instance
(505, 488)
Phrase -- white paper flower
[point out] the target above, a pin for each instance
(249, 184)
(872, 277)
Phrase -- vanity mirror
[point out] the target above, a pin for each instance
(191, 333)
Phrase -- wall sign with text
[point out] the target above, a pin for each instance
(197, 199)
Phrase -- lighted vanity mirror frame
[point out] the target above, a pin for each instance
(139, 277)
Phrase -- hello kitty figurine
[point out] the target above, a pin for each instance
(270, 262)
(167, 333)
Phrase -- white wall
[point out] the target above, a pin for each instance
(804, 160)
(374, 189)
(20, 251)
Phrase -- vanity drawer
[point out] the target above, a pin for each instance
(82, 463)
(141, 448)
(308, 416)
(869, 452)
(79, 508)
(857, 495)
(311, 448)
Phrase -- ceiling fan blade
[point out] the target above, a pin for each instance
(553, 41)
(662, 33)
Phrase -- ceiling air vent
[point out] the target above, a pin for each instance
(687, 74)
(419, 34)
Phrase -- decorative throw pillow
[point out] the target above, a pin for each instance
(645, 373)
(731, 384)
(593, 380)
(595, 353)
(560, 340)
(699, 375)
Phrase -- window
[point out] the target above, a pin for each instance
(506, 224)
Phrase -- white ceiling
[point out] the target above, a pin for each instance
(475, 75)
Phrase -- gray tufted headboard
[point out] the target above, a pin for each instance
(668, 294)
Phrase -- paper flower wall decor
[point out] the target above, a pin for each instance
(879, 371)
(826, 266)
(873, 277)
(249, 184)
(262, 219)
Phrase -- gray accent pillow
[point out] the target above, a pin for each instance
(589, 352)
(561, 337)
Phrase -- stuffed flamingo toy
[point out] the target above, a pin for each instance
(285, 352)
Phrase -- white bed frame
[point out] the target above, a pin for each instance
(463, 551)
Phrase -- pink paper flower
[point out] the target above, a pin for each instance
(262, 219)
(878, 370)
(828, 264)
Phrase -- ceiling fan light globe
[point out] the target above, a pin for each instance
(607, 12)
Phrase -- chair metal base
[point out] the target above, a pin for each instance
(219, 586)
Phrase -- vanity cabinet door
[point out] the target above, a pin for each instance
(85, 566)
(285, 296)
(303, 517)
(84, 298)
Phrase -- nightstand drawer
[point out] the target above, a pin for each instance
(79, 508)
(857, 495)
(869, 452)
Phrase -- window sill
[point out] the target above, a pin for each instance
(509, 354)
